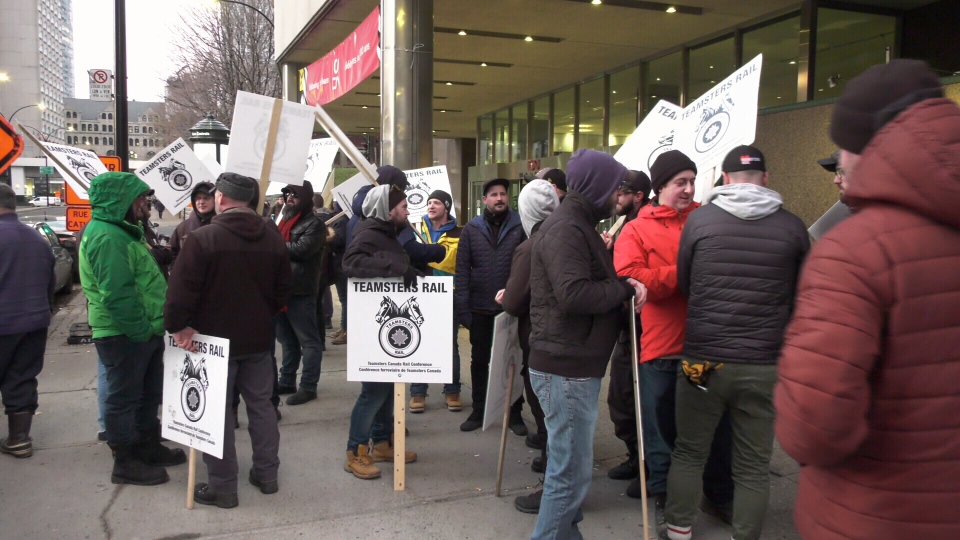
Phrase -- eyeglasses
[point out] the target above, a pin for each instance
(840, 172)
(293, 196)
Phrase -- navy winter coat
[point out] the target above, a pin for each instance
(483, 266)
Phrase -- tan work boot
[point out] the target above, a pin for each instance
(338, 333)
(418, 404)
(341, 339)
(383, 451)
(360, 464)
(453, 402)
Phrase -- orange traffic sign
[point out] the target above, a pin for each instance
(11, 144)
(77, 217)
(73, 199)
(111, 162)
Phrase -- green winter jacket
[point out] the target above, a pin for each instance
(123, 284)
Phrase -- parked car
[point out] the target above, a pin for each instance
(45, 201)
(68, 239)
(63, 267)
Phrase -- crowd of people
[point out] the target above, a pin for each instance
(845, 351)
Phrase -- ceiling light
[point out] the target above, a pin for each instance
(654, 97)
(711, 67)
(614, 91)
(462, 33)
(443, 110)
(671, 9)
(596, 2)
(528, 38)
(4, 77)
(713, 82)
(483, 64)
(658, 78)
(778, 97)
(792, 62)
(449, 83)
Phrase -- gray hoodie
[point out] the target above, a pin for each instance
(746, 201)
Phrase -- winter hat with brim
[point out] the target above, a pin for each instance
(877, 96)
(380, 200)
(668, 165)
(237, 187)
(595, 175)
(537, 200)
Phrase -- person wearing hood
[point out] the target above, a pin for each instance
(647, 251)
(537, 201)
(125, 292)
(230, 281)
(867, 396)
(297, 329)
(375, 253)
(738, 263)
(203, 211)
(576, 312)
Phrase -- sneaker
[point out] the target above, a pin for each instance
(529, 504)
(301, 396)
(383, 451)
(267, 488)
(627, 470)
(360, 464)
(538, 465)
(660, 504)
(516, 424)
(633, 490)
(723, 512)
(204, 495)
(284, 389)
(453, 402)
(340, 340)
(537, 441)
(474, 421)
(418, 404)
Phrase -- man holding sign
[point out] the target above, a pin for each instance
(230, 280)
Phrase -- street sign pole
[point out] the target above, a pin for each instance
(120, 70)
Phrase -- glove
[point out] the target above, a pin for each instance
(410, 276)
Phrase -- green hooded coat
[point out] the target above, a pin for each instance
(123, 284)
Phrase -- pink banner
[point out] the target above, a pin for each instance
(343, 68)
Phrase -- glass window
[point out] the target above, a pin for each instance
(623, 105)
(501, 135)
(847, 44)
(591, 115)
(540, 129)
(518, 148)
(709, 65)
(663, 81)
(563, 121)
(96, 141)
(779, 43)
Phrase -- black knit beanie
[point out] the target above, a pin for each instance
(667, 165)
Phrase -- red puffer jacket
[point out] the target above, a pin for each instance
(647, 251)
(869, 389)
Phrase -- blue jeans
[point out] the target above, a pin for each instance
(372, 416)
(101, 393)
(570, 406)
(420, 389)
(297, 333)
(135, 386)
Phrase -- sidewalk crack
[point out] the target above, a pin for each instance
(103, 515)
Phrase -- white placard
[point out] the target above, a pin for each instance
(249, 133)
(345, 192)
(652, 137)
(319, 164)
(505, 355)
(422, 183)
(101, 84)
(195, 393)
(76, 165)
(173, 173)
(404, 335)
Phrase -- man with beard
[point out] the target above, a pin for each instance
(297, 328)
(125, 291)
(203, 211)
(484, 256)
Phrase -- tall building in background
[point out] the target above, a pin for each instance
(66, 24)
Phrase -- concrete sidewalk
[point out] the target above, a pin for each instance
(64, 490)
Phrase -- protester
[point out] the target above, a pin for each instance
(231, 279)
(739, 258)
(439, 227)
(647, 251)
(337, 246)
(125, 291)
(203, 211)
(27, 284)
(557, 179)
(483, 266)
(376, 253)
(867, 393)
(297, 329)
(324, 300)
(537, 201)
(576, 312)
(160, 208)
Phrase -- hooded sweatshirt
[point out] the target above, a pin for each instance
(195, 221)
(746, 201)
(537, 200)
(124, 287)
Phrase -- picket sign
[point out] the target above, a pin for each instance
(80, 182)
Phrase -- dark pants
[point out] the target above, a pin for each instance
(658, 392)
(323, 313)
(532, 399)
(342, 295)
(275, 394)
(253, 375)
(298, 335)
(620, 400)
(481, 344)
(372, 416)
(134, 386)
(21, 359)
(420, 389)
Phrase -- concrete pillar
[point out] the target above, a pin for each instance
(406, 83)
(290, 79)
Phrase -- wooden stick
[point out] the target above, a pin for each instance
(634, 361)
(503, 432)
(617, 225)
(191, 477)
(354, 155)
(399, 436)
(268, 151)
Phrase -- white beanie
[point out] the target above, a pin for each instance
(537, 200)
(376, 204)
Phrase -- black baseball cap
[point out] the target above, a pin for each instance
(744, 158)
(830, 163)
(557, 178)
(495, 182)
(636, 182)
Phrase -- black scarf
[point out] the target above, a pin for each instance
(495, 221)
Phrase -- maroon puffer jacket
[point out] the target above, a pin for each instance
(869, 393)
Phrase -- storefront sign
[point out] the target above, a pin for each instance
(346, 66)
(173, 173)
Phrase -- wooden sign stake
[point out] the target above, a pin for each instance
(191, 477)
(399, 436)
(503, 432)
(268, 150)
(636, 402)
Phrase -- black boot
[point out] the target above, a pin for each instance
(18, 443)
(628, 470)
(149, 450)
(516, 422)
(474, 421)
(128, 469)
(529, 504)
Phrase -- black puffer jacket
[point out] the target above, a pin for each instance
(576, 298)
(740, 255)
(375, 252)
(483, 266)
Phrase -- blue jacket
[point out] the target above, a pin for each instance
(26, 277)
(483, 266)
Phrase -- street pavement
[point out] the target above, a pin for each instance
(64, 490)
